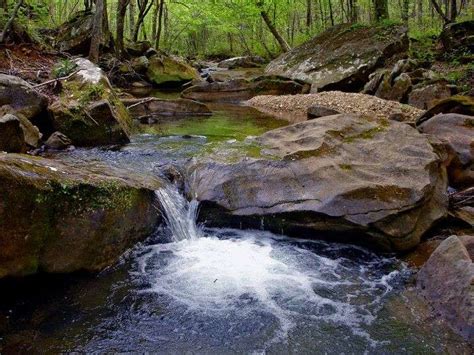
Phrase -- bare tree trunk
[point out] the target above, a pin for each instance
(4, 5)
(160, 24)
(331, 13)
(121, 12)
(381, 9)
(440, 12)
(309, 15)
(9, 23)
(281, 41)
(144, 8)
(97, 31)
(405, 11)
(132, 15)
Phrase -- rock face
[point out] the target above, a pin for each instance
(464, 105)
(242, 89)
(164, 70)
(74, 36)
(459, 37)
(88, 110)
(461, 205)
(447, 280)
(426, 97)
(57, 218)
(458, 132)
(160, 107)
(12, 139)
(342, 58)
(242, 62)
(369, 180)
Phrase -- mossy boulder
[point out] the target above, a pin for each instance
(165, 70)
(57, 218)
(243, 89)
(343, 57)
(458, 38)
(88, 110)
(345, 177)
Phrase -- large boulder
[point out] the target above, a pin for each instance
(243, 89)
(463, 105)
(242, 62)
(459, 37)
(447, 280)
(74, 36)
(425, 97)
(457, 131)
(354, 177)
(88, 110)
(165, 70)
(57, 218)
(152, 106)
(343, 57)
(12, 139)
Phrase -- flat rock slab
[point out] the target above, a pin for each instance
(367, 179)
(341, 58)
(152, 106)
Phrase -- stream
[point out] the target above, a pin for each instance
(193, 289)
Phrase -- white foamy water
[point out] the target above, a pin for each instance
(234, 277)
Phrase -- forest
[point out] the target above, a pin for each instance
(237, 176)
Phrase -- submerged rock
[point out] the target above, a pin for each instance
(357, 178)
(447, 280)
(343, 57)
(153, 106)
(457, 131)
(58, 218)
(242, 89)
(165, 70)
(12, 139)
(88, 110)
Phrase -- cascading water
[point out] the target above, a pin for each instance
(259, 286)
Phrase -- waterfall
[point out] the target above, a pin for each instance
(180, 215)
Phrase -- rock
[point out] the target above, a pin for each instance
(396, 90)
(447, 280)
(459, 37)
(464, 105)
(425, 97)
(31, 133)
(242, 62)
(140, 64)
(242, 89)
(461, 205)
(56, 218)
(458, 132)
(21, 97)
(12, 139)
(347, 176)
(164, 70)
(317, 111)
(341, 58)
(88, 110)
(375, 79)
(137, 49)
(58, 141)
(152, 106)
(74, 36)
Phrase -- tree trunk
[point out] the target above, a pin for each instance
(97, 31)
(440, 12)
(132, 15)
(309, 15)
(453, 11)
(4, 5)
(160, 24)
(405, 11)
(381, 9)
(121, 12)
(9, 23)
(281, 41)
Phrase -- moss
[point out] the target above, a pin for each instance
(469, 123)
(367, 134)
(345, 166)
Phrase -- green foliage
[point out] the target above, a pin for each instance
(63, 68)
(91, 93)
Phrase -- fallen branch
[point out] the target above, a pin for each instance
(141, 102)
(56, 80)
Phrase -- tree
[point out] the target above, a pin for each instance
(380, 9)
(451, 10)
(9, 23)
(281, 41)
(121, 13)
(97, 31)
(160, 23)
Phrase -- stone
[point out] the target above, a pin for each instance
(58, 141)
(165, 70)
(344, 177)
(426, 97)
(58, 218)
(463, 105)
(32, 135)
(140, 64)
(153, 106)
(12, 139)
(74, 35)
(457, 131)
(396, 89)
(317, 111)
(137, 49)
(446, 281)
(461, 205)
(242, 62)
(242, 89)
(458, 37)
(341, 58)
(89, 111)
